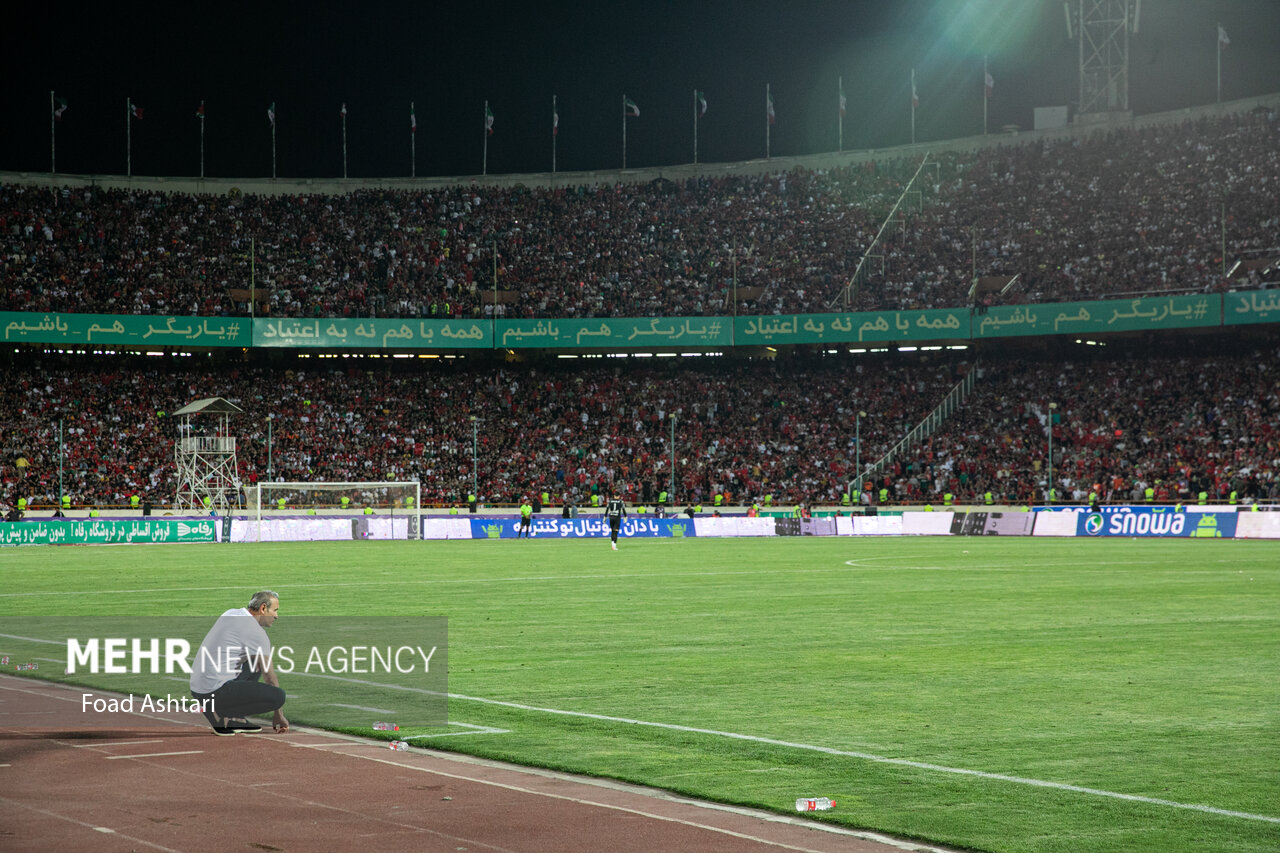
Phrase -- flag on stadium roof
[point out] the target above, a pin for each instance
(702, 102)
(60, 108)
(768, 106)
(200, 111)
(413, 120)
(1223, 40)
(488, 119)
(271, 113)
(135, 110)
(629, 107)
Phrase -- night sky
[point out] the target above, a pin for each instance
(377, 57)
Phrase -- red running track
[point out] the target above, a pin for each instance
(136, 782)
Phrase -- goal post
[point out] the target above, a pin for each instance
(368, 506)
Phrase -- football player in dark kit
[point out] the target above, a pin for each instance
(615, 511)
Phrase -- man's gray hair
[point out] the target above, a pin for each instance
(261, 598)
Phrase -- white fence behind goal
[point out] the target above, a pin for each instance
(307, 511)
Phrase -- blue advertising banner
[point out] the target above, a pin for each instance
(594, 527)
(1156, 521)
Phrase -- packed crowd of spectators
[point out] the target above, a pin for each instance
(743, 429)
(1179, 426)
(1118, 212)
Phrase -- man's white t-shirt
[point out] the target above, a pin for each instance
(234, 640)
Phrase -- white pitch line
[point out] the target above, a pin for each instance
(11, 806)
(157, 754)
(362, 708)
(879, 759)
(865, 756)
(475, 730)
(100, 744)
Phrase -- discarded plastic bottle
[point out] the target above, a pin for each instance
(814, 804)
(398, 745)
(385, 727)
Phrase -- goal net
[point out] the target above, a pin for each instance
(313, 511)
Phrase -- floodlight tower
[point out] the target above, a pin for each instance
(1103, 28)
(207, 466)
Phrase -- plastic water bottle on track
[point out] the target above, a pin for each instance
(398, 745)
(385, 727)
(814, 804)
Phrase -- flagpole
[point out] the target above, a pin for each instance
(53, 136)
(413, 142)
(1219, 63)
(624, 132)
(484, 166)
(768, 99)
(128, 137)
(985, 77)
(695, 127)
(344, 142)
(273, 140)
(840, 136)
(555, 118)
(913, 106)
(202, 140)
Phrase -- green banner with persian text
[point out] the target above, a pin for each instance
(1255, 306)
(858, 327)
(649, 333)
(373, 334)
(618, 333)
(101, 531)
(1111, 315)
(126, 330)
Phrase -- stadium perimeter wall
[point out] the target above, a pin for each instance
(1132, 521)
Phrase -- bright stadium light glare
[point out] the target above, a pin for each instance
(907, 349)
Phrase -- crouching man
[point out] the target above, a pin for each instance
(232, 675)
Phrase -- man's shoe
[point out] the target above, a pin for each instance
(223, 731)
(241, 725)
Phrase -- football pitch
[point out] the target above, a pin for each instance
(993, 693)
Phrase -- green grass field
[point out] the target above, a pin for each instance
(991, 693)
